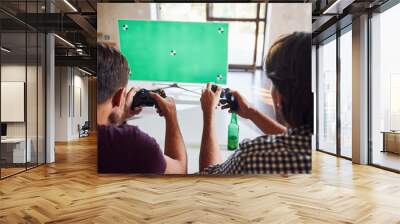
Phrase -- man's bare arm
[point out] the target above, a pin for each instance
(175, 150)
(209, 149)
(261, 120)
(265, 123)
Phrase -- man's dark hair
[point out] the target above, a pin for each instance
(288, 66)
(112, 72)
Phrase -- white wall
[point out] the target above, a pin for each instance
(62, 113)
(284, 19)
(33, 127)
(109, 13)
(12, 101)
(80, 84)
(69, 82)
(16, 73)
(50, 93)
(360, 90)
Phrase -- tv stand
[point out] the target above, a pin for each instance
(177, 86)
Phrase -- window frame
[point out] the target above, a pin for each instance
(25, 30)
(333, 37)
(381, 9)
(343, 31)
(257, 20)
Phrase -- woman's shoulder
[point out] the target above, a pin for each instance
(292, 138)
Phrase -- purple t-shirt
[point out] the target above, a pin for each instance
(126, 149)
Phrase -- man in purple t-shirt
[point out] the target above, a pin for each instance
(124, 148)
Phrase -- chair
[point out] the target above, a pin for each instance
(84, 130)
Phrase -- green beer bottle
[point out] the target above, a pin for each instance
(233, 133)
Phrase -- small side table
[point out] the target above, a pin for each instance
(391, 141)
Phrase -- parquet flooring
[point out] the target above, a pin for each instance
(71, 191)
(11, 170)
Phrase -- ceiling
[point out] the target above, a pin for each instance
(76, 21)
(331, 15)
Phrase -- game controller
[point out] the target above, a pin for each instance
(226, 97)
(143, 99)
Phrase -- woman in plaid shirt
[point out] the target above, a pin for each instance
(286, 146)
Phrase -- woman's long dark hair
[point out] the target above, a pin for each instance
(288, 66)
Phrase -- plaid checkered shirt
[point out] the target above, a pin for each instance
(286, 153)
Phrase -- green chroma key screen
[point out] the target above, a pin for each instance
(191, 52)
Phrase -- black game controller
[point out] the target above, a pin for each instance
(226, 97)
(143, 99)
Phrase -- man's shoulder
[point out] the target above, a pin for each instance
(125, 131)
(276, 145)
(261, 142)
(125, 148)
(117, 127)
(275, 141)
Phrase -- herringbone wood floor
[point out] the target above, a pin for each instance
(70, 191)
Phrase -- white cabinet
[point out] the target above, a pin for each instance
(15, 148)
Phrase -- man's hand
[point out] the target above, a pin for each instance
(261, 120)
(245, 109)
(128, 112)
(165, 106)
(209, 149)
(210, 100)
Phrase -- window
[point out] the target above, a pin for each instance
(260, 44)
(385, 89)
(334, 60)
(394, 102)
(327, 96)
(241, 43)
(22, 65)
(246, 26)
(239, 10)
(346, 93)
(246, 31)
(182, 12)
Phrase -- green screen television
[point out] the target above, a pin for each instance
(188, 52)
